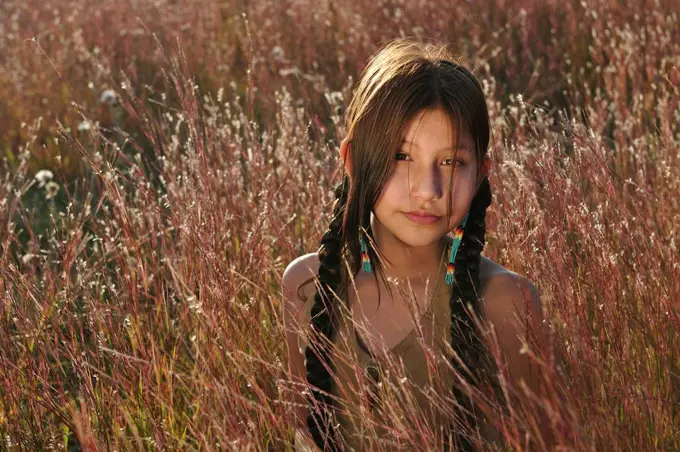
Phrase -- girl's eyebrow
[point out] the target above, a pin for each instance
(461, 146)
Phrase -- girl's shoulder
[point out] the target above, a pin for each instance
(512, 306)
(504, 290)
(298, 278)
(494, 279)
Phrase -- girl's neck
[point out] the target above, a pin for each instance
(403, 261)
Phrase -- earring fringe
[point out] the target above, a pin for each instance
(457, 238)
(365, 261)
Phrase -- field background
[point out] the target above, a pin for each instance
(162, 162)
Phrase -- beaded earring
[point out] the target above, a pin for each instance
(457, 238)
(365, 261)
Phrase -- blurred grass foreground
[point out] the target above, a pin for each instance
(162, 161)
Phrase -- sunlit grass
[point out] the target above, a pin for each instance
(162, 163)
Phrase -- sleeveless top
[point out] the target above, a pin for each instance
(422, 357)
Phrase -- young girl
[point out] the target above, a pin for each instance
(410, 212)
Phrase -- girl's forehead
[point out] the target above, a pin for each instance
(434, 126)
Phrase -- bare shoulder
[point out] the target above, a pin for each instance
(512, 308)
(297, 282)
(505, 291)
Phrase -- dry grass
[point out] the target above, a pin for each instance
(192, 148)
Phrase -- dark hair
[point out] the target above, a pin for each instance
(403, 78)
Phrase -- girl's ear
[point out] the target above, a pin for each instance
(484, 170)
(345, 155)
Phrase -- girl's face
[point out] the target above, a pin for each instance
(420, 183)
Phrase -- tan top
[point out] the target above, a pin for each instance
(417, 355)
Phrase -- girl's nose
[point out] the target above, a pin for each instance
(426, 184)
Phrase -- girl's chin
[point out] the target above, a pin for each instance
(417, 239)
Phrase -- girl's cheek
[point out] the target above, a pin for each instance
(398, 183)
(461, 197)
(395, 175)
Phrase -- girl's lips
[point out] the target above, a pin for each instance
(422, 219)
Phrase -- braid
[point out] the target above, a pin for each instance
(323, 321)
(464, 339)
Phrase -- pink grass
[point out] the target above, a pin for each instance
(141, 306)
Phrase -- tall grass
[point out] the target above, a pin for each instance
(192, 148)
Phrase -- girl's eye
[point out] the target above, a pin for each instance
(458, 162)
(447, 162)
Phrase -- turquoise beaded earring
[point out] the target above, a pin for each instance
(457, 238)
(365, 261)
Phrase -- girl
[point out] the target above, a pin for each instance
(409, 212)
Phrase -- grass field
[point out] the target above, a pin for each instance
(163, 161)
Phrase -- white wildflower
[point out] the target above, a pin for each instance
(277, 53)
(334, 98)
(84, 126)
(43, 176)
(108, 97)
(51, 190)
